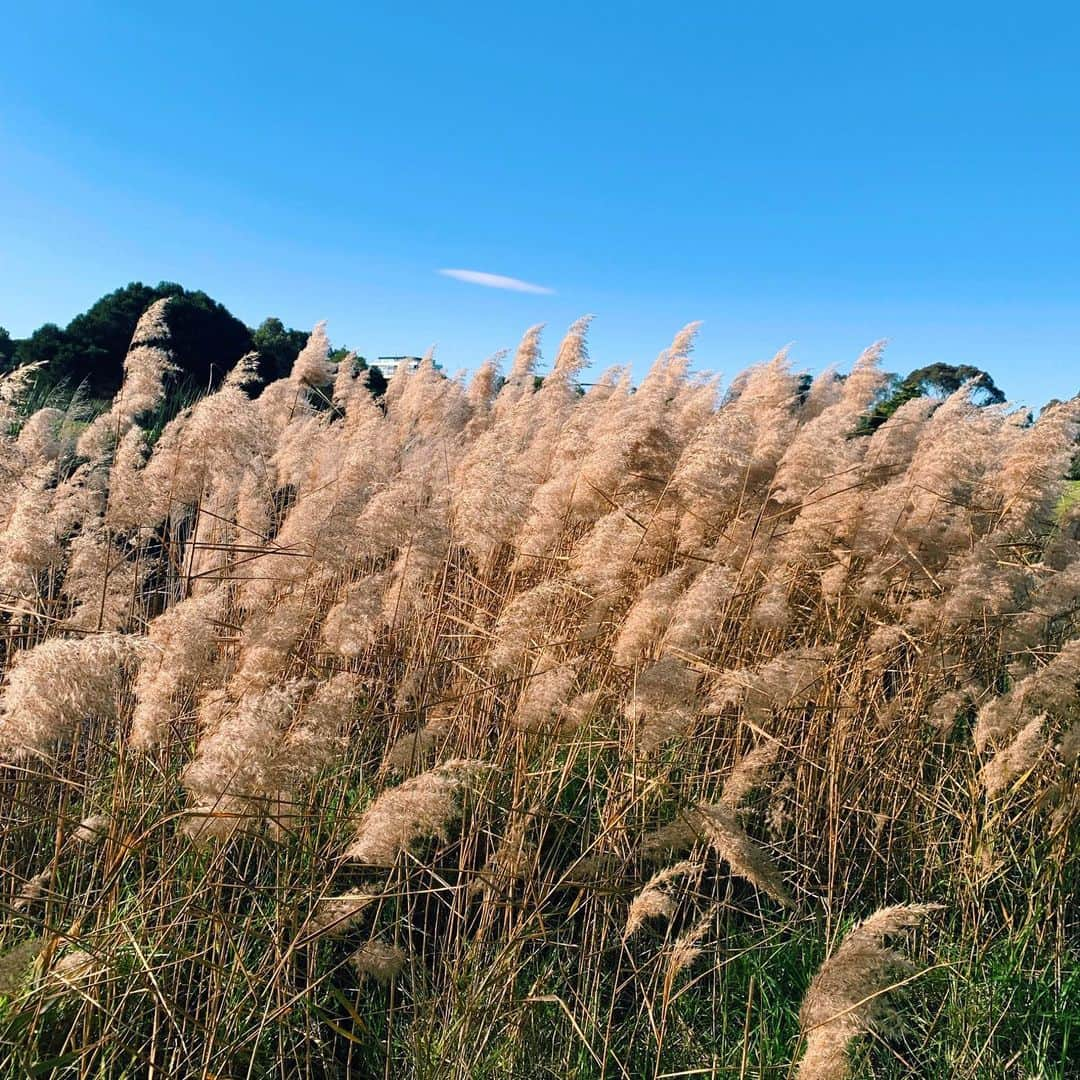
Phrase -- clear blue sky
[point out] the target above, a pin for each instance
(826, 174)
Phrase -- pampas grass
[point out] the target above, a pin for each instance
(424, 806)
(536, 729)
(851, 994)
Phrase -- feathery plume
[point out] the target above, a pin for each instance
(573, 352)
(335, 916)
(414, 749)
(545, 695)
(312, 366)
(687, 947)
(482, 388)
(182, 650)
(577, 712)
(523, 624)
(236, 763)
(1016, 759)
(697, 613)
(347, 385)
(655, 901)
(92, 830)
(353, 623)
(422, 807)
(747, 774)
(1069, 747)
(644, 623)
(33, 890)
(15, 385)
(318, 734)
(39, 441)
(788, 681)
(59, 683)
(103, 580)
(146, 366)
(74, 971)
(15, 965)
(747, 859)
(378, 961)
(850, 994)
(663, 703)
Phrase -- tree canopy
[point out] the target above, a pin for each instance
(207, 340)
(7, 349)
(940, 379)
(277, 346)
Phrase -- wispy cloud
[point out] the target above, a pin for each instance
(496, 281)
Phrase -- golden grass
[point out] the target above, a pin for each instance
(508, 732)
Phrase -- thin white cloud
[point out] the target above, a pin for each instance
(496, 281)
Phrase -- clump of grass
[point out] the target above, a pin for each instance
(511, 730)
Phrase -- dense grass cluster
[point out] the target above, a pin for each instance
(490, 730)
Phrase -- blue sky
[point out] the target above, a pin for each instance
(819, 174)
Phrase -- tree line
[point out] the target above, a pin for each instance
(206, 341)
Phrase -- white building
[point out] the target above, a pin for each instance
(388, 365)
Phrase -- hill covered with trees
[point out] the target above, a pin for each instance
(206, 340)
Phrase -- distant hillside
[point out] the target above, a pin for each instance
(207, 340)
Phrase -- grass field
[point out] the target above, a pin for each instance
(501, 731)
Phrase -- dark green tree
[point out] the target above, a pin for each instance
(938, 379)
(277, 347)
(206, 339)
(43, 346)
(7, 350)
(98, 339)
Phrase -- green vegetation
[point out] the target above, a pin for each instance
(206, 341)
(934, 379)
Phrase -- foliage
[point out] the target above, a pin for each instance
(7, 349)
(206, 340)
(936, 378)
(277, 347)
